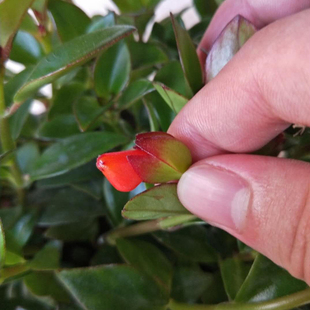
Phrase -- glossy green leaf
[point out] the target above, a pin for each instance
(151, 112)
(205, 8)
(112, 71)
(102, 22)
(86, 172)
(86, 110)
(267, 281)
(69, 206)
(48, 257)
(215, 293)
(27, 155)
(175, 101)
(2, 245)
(114, 202)
(81, 231)
(171, 74)
(164, 113)
(190, 242)
(107, 254)
(5, 156)
(59, 127)
(19, 234)
(11, 273)
(234, 272)
(14, 84)
(11, 15)
(147, 258)
(18, 119)
(9, 216)
(26, 49)
(104, 285)
(46, 284)
(64, 99)
(135, 91)
(159, 201)
(228, 43)
(70, 20)
(13, 259)
(74, 151)
(28, 24)
(189, 283)
(70, 55)
(144, 55)
(130, 6)
(188, 57)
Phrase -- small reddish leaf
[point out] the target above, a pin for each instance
(165, 148)
(118, 170)
(228, 43)
(152, 170)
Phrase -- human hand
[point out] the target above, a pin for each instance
(263, 201)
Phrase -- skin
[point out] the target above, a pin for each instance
(263, 89)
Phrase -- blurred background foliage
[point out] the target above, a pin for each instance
(63, 242)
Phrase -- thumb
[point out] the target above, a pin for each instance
(263, 201)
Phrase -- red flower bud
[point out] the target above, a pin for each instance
(158, 157)
(118, 170)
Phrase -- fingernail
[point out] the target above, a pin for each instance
(216, 195)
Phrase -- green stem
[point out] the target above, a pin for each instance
(147, 227)
(283, 303)
(7, 142)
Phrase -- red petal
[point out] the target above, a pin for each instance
(118, 170)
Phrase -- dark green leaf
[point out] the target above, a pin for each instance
(115, 287)
(114, 201)
(175, 101)
(159, 201)
(70, 20)
(101, 22)
(86, 172)
(64, 99)
(189, 283)
(26, 49)
(11, 15)
(19, 234)
(45, 283)
(112, 71)
(2, 245)
(147, 258)
(135, 91)
(29, 25)
(27, 155)
(151, 112)
(205, 8)
(86, 110)
(107, 254)
(267, 281)
(215, 293)
(69, 206)
(74, 151)
(59, 127)
(130, 6)
(18, 119)
(70, 55)
(172, 75)
(229, 42)
(234, 272)
(164, 113)
(9, 216)
(84, 230)
(188, 57)
(14, 84)
(191, 242)
(144, 55)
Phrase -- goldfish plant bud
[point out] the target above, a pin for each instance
(228, 43)
(169, 159)
(158, 158)
(118, 170)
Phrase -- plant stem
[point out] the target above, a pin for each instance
(148, 227)
(283, 303)
(7, 142)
